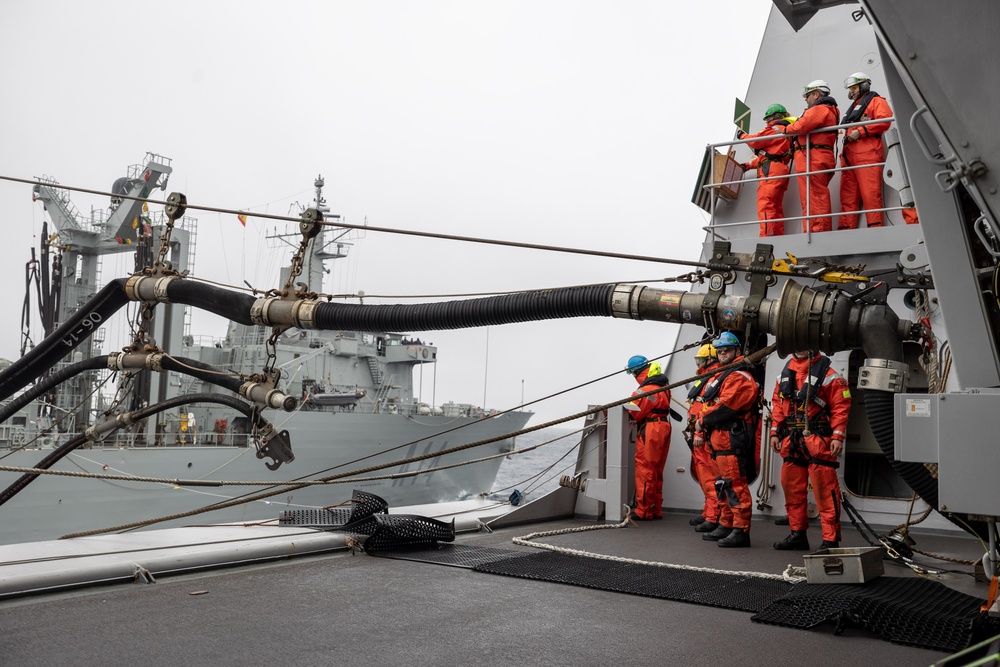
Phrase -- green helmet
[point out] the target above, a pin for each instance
(775, 108)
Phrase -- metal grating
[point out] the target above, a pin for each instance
(405, 531)
(909, 611)
(729, 591)
(455, 555)
(363, 505)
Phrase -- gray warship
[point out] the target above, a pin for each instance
(355, 402)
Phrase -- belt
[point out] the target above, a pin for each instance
(820, 146)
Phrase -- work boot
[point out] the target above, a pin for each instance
(826, 544)
(717, 534)
(797, 540)
(781, 521)
(694, 521)
(706, 527)
(737, 539)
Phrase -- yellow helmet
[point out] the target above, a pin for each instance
(706, 351)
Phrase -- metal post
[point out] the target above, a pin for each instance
(619, 465)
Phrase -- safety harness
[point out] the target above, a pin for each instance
(741, 431)
(796, 146)
(802, 424)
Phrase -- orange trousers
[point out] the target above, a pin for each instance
(770, 198)
(703, 470)
(861, 189)
(817, 200)
(795, 480)
(651, 448)
(736, 502)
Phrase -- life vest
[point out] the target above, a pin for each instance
(857, 109)
(658, 381)
(810, 389)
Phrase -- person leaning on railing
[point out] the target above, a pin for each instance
(814, 188)
(862, 188)
(772, 153)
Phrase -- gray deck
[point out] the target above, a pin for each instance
(338, 608)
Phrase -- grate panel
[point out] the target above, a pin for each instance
(729, 591)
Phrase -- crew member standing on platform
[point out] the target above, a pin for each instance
(701, 460)
(772, 155)
(726, 424)
(652, 442)
(809, 413)
(814, 188)
(862, 188)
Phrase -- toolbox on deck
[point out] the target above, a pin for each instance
(851, 565)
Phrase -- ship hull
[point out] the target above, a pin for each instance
(324, 444)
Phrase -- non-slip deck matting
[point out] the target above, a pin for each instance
(901, 610)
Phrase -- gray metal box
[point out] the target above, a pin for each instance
(849, 565)
(968, 424)
(916, 434)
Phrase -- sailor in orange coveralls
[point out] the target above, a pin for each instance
(705, 361)
(809, 413)
(862, 145)
(652, 442)
(727, 419)
(814, 189)
(773, 152)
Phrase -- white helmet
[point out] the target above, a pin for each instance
(859, 79)
(856, 79)
(819, 84)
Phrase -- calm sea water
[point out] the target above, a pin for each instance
(537, 472)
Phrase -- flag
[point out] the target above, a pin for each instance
(701, 196)
(145, 207)
(742, 116)
(243, 219)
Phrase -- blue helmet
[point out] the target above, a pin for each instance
(726, 339)
(636, 364)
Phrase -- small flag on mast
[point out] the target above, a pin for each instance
(243, 219)
(742, 116)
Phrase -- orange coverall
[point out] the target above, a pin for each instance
(729, 400)
(771, 162)
(863, 186)
(702, 458)
(652, 443)
(807, 457)
(821, 146)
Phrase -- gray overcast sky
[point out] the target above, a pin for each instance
(574, 123)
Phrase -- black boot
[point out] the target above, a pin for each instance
(829, 545)
(797, 540)
(694, 521)
(717, 534)
(738, 539)
(781, 521)
(706, 527)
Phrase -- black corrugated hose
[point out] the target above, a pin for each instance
(145, 413)
(191, 367)
(65, 339)
(589, 301)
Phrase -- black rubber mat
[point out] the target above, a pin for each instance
(456, 555)
(908, 611)
(729, 591)
(363, 505)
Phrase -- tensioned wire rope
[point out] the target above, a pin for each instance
(744, 362)
(339, 223)
(406, 232)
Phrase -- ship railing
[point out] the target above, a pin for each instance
(713, 187)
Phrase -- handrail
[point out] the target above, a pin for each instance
(838, 147)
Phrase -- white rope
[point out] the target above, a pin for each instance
(526, 542)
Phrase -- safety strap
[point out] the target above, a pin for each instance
(800, 147)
